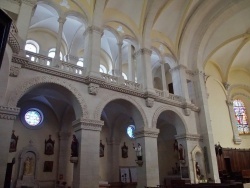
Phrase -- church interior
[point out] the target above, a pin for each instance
(124, 93)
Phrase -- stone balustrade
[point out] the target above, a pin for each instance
(176, 97)
(132, 85)
(109, 78)
(71, 68)
(39, 59)
(159, 93)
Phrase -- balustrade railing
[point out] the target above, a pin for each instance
(109, 78)
(47, 61)
(176, 97)
(68, 67)
(160, 93)
(39, 59)
(132, 85)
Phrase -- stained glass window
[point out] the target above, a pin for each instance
(241, 116)
(130, 131)
(33, 117)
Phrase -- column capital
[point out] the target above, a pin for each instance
(92, 29)
(61, 20)
(191, 137)
(29, 2)
(226, 85)
(178, 67)
(146, 132)
(87, 124)
(9, 113)
(142, 51)
(120, 43)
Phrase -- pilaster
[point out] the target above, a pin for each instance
(86, 171)
(118, 63)
(113, 156)
(205, 124)
(163, 77)
(148, 173)
(64, 145)
(131, 66)
(7, 118)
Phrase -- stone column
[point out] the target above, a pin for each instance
(144, 71)
(148, 173)
(24, 17)
(163, 77)
(118, 63)
(63, 158)
(236, 137)
(61, 22)
(131, 65)
(92, 46)
(113, 159)
(180, 81)
(72, 59)
(86, 171)
(205, 125)
(7, 118)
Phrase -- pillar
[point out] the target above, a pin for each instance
(148, 173)
(131, 65)
(64, 145)
(61, 22)
(163, 77)
(236, 137)
(25, 14)
(144, 71)
(92, 53)
(7, 118)
(113, 159)
(86, 171)
(118, 63)
(205, 125)
(180, 81)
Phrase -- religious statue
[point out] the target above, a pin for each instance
(74, 147)
(198, 171)
(27, 167)
(49, 146)
(13, 142)
(138, 151)
(124, 151)
(101, 149)
(175, 145)
(181, 152)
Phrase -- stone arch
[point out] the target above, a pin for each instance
(237, 94)
(179, 114)
(21, 90)
(107, 99)
(242, 86)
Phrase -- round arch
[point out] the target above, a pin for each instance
(21, 90)
(179, 128)
(109, 98)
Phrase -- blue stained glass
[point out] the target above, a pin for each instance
(130, 131)
(33, 117)
(241, 117)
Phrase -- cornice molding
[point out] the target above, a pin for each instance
(29, 2)
(146, 132)
(9, 113)
(87, 124)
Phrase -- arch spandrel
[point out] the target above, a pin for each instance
(28, 85)
(181, 129)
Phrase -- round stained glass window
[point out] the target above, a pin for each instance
(33, 117)
(130, 131)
